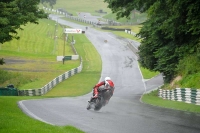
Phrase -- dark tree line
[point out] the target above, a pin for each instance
(171, 32)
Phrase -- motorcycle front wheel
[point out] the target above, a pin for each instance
(88, 106)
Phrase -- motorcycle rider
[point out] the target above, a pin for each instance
(108, 84)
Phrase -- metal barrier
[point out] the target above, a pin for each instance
(8, 91)
(187, 95)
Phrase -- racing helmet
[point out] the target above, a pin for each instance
(107, 78)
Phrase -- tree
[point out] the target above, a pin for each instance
(14, 13)
(124, 8)
(2, 61)
(170, 33)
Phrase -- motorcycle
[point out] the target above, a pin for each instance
(103, 98)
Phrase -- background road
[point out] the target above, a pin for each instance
(124, 113)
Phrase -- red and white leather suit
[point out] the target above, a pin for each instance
(108, 84)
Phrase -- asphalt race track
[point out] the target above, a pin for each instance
(125, 113)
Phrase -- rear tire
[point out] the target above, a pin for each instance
(98, 104)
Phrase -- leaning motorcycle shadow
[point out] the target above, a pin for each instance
(101, 112)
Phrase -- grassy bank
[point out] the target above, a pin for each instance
(153, 99)
(83, 82)
(92, 6)
(89, 6)
(45, 69)
(32, 59)
(135, 18)
(13, 120)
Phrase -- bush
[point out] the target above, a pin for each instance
(14, 78)
(189, 65)
(4, 76)
(2, 61)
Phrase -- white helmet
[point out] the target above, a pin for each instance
(107, 78)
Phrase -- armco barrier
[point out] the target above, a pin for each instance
(132, 33)
(30, 92)
(8, 91)
(71, 17)
(187, 95)
(51, 84)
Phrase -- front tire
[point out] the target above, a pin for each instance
(88, 106)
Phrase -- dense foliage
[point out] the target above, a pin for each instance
(14, 13)
(2, 61)
(170, 33)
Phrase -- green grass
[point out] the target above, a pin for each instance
(134, 28)
(147, 74)
(191, 81)
(125, 35)
(77, 6)
(13, 120)
(134, 18)
(38, 39)
(153, 99)
(77, 22)
(90, 6)
(83, 82)
(36, 48)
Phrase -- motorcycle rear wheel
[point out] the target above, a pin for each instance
(98, 104)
